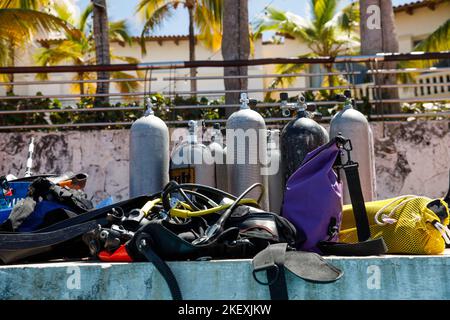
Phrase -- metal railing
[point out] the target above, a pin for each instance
(367, 94)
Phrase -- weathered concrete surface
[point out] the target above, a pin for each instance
(411, 157)
(389, 277)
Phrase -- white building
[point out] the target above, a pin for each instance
(414, 22)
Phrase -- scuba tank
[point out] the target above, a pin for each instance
(300, 136)
(191, 161)
(218, 153)
(275, 176)
(149, 154)
(247, 151)
(353, 125)
(28, 172)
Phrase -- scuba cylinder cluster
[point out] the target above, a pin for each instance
(149, 154)
(218, 152)
(353, 125)
(191, 161)
(276, 175)
(300, 136)
(245, 157)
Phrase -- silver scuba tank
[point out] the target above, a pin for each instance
(247, 152)
(219, 155)
(149, 154)
(275, 175)
(300, 136)
(191, 161)
(353, 125)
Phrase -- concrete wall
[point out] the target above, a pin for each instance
(411, 157)
(366, 278)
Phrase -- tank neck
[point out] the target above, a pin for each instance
(272, 138)
(216, 136)
(302, 114)
(192, 137)
(348, 104)
(149, 108)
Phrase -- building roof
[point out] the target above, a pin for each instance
(159, 39)
(409, 7)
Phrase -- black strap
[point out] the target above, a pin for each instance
(371, 247)
(366, 246)
(308, 266)
(357, 198)
(31, 240)
(144, 246)
(271, 260)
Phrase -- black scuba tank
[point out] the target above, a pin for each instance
(300, 136)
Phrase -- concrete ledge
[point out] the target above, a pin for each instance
(388, 277)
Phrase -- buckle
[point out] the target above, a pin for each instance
(266, 268)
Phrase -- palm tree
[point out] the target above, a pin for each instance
(80, 49)
(19, 22)
(205, 15)
(329, 33)
(101, 37)
(235, 46)
(382, 38)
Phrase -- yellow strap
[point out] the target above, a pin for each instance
(181, 213)
(149, 206)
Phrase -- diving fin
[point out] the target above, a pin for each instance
(18, 246)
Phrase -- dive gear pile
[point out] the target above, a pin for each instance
(183, 221)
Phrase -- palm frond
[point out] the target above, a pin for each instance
(21, 24)
(214, 7)
(23, 4)
(89, 87)
(62, 11)
(64, 51)
(285, 23)
(87, 12)
(439, 40)
(154, 21)
(348, 18)
(120, 31)
(209, 23)
(125, 86)
(323, 11)
(289, 68)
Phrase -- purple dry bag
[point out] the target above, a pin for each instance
(313, 198)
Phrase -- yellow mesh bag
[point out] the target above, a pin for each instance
(405, 223)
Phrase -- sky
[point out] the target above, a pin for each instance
(178, 23)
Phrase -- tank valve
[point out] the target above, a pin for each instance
(244, 101)
(148, 107)
(216, 132)
(286, 106)
(346, 98)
